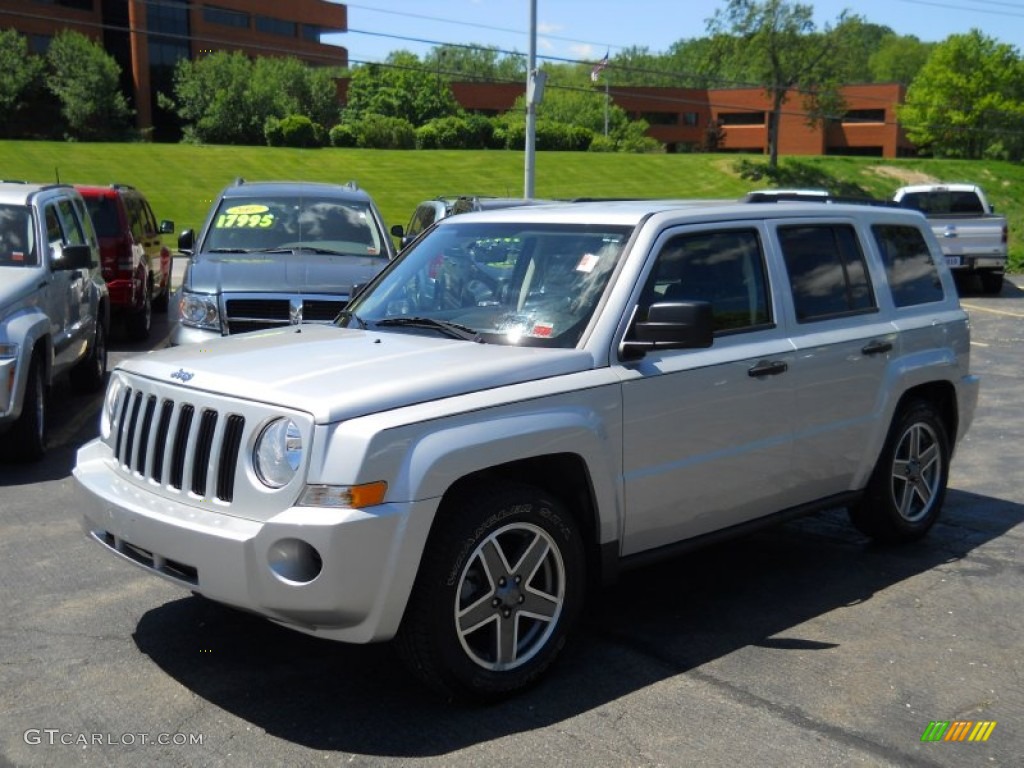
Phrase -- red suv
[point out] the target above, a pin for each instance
(136, 263)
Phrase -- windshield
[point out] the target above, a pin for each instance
(508, 283)
(289, 222)
(17, 245)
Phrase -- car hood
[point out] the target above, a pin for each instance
(339, 373)
(293, 272)
(16, 283)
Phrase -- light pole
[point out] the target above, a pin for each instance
(531, 104)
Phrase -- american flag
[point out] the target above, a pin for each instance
(596, 71)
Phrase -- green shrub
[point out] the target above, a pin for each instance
(343, 135)
(382, 132)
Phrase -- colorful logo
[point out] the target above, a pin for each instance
(958, 730)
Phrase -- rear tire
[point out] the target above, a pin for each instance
(500, 586)
(991, 283)
(908, 486)
(140, 322)
(91, 373)
(27, 439)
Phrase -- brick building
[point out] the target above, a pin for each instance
(148, 37)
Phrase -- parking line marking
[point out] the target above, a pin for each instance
(993, 311)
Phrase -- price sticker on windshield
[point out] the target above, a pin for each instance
(250, 216)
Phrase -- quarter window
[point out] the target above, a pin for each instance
(827, 272)
(913, 277)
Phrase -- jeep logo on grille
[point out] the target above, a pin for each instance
(182, 375)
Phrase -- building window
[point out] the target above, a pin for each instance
(225, 17)
(169, 17)
(78, 5)
(691, 119)
(39, 44)
(274, 26)
(741, 118)
(864, 116)
(660, 118)
(312, 32)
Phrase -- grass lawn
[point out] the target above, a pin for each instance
(181, 180)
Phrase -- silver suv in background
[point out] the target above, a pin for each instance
(54, 307)
(430, 211)
(275, 254)
(528, 401)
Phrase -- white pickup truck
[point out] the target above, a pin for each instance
(972, 236)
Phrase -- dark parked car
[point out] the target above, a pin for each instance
(275, 254)
(136, 263)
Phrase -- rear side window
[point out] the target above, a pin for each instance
(103, 211)
(827, 272)
(913, 277)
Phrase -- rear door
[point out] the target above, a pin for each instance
(843, 343)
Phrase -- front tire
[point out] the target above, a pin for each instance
(27, 439)
(499, 588)
(908, 486)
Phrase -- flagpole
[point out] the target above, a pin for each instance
(531, 106)
(606, 100)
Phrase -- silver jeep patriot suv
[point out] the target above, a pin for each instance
(526, 402)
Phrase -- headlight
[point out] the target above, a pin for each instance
(199, 311)
(8, 350)
(110, 406)
(278, 453)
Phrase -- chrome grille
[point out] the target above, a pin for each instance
(170, 443)
(254, 313)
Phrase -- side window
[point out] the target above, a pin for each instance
(136, 217)
(70, 224)
(913, 277)
(723, 268)
(827, 272)
(54, 233)
(421, 219)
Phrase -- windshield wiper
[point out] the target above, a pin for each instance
(454, 330)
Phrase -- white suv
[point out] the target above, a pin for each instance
(54, 307)
(528, 401)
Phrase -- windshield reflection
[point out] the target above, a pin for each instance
(509, 283)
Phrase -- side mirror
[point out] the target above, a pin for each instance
(70, 257)
(398, 231)
(676, 325)
(166, 227)
(186, 241)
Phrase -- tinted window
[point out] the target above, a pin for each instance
(913, 277)
(103, 211)
(725, 269)
(827, 272)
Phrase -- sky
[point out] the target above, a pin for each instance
(584, 30)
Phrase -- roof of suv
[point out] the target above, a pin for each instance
(242, 188)
(19, 192)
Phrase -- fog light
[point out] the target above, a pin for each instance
(295, 561)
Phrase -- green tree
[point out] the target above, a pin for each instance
(476, 62)
(783, 52)
(898, 59)
(402, 87)
(968, 100)
(86, 80)
(20, 72)
(226, 98)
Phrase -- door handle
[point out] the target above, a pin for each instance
(768, 368)
(876, 347)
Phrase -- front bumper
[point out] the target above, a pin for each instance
(363, 569)
(183, 334)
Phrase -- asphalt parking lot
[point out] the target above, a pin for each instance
(800, 646)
